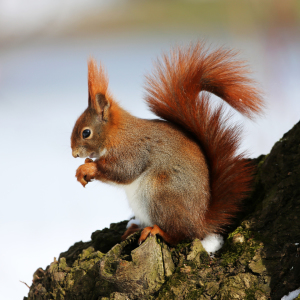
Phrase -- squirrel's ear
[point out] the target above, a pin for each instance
(101, 105)
(98, 88)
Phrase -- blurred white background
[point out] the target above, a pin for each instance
(44, 47)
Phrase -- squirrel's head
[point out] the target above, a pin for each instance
(89, 132)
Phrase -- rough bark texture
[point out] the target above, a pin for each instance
(260, 258)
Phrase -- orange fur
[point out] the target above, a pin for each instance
(173, 94)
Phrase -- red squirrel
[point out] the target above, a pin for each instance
(181, 173)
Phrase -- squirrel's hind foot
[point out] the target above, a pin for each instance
(152, 231)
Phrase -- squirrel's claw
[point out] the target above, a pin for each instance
(145, 233)
(82, 181)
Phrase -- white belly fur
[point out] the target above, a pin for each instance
(137, 201)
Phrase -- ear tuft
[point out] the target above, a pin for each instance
(97, 83)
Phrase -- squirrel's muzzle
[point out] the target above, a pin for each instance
(75, 153)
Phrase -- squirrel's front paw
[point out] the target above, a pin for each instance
(85, 173)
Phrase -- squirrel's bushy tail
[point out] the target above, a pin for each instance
(177, 92)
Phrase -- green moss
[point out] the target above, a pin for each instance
(195, 293)
(86, 253)
(250, 294)
(244, 251)
(260, 160)
(167, 291)
(183, 247)
(63, 265)
(254, 292)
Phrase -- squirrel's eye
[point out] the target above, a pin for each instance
(86, 133)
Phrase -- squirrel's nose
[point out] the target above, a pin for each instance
(75, 153)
